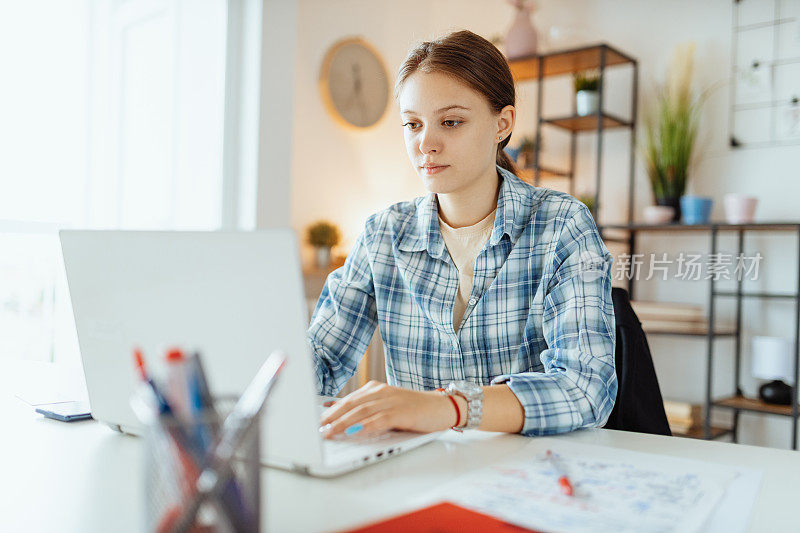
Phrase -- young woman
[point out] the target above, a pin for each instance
(492, 297)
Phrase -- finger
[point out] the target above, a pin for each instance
(372, 426)
(338, 426)
(351, 418)
(364, 394)
(380, 422)
(339, 407)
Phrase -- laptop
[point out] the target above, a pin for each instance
(234, 297)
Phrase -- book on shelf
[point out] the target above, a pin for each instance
(665, 311)
(680, 409)
(651, 325)
(683, 416)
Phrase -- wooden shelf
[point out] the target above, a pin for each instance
(586, 123)
(721, 226)
(753, 404)
(699, 433)
(766, 295)
(566, 61)
(528, 174)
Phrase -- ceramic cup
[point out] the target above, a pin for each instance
(658, 214)
(695, 209)
(740, 208)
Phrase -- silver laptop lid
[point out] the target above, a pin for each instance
(234, 296)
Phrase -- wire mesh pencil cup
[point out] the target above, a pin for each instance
(172, 472)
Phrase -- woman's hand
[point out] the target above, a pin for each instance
(378, 407)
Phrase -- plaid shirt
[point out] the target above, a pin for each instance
(539, 318)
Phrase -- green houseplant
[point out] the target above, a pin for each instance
(587, 85)
(323, 236)
(588, 201)
(671, 131)
(527, 149)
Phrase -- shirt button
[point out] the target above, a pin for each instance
(473, 301)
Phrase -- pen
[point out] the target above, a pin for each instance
(563, 479)
(200, 402)
(177, 386)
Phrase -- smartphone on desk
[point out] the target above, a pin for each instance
(65, 411)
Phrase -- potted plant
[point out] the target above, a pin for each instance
(587, 84)
(588, 201)
(323, 236)
(671, 131)
(527, 149)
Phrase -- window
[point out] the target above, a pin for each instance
(114, 121)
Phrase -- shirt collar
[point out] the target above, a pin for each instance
(513, 213)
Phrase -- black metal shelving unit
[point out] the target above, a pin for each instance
(598, 56)
(738, 402)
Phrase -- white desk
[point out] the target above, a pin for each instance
(82, 477)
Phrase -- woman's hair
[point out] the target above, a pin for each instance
(472, 60)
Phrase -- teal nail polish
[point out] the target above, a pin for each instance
(355, 428)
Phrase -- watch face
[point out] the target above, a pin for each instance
(467, 387)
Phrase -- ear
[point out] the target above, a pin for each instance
(505, 121)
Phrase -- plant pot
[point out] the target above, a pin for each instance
(586, 102)
(323, 256)
(739, 208)
(659, 214)
(695, 209)
(673, 202)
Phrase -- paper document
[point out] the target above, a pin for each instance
(614, 490)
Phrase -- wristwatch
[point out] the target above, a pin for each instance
(473, 393)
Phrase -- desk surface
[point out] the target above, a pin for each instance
(84, 477)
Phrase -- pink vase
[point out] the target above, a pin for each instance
(521, 38)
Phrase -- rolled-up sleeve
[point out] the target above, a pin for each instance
(344, 320)
(578, 386)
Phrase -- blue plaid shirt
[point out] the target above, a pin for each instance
(540, 316)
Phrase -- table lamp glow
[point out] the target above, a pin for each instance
(773, 359)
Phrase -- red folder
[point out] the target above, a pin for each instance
(443, 517)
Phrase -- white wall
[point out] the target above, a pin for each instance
(344, 176)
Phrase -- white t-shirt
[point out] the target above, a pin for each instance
(464, 245)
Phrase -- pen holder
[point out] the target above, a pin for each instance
(175, 455)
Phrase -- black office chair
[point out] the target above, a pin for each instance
(639, 406)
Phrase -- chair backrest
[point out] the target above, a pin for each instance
(639, 406)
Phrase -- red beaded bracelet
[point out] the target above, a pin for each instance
(458, 411)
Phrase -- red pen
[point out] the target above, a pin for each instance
(563, 479)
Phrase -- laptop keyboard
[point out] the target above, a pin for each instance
(359, 447)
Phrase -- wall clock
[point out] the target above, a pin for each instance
(354, 83)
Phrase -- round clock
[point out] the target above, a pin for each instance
(354, 83)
